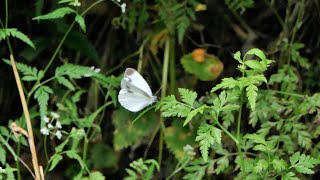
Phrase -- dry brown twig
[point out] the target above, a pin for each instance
(28, 120)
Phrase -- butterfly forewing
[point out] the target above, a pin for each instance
(134, 78)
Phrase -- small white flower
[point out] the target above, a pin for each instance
(50, 126)
(2, 170)
(46, 119)
(58, 125)
(123, 7)
(45, 131)
(87, 75)
(55, 115)
(189, 150)
(97, 70)
(118, 1)
(59, 134)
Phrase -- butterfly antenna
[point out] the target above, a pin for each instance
(157, 92)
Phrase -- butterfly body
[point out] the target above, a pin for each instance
(135, 93)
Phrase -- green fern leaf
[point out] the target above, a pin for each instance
(193, 113)
(58, 13)
(303, 163)
(62, 80)
(80, 20)
(73, 155)
(227, 83)
(187, 96)
(55, 159)
(42, 96)
(74, 71)
(17, 34)
(252, 95)
(29, 73)
(169, 107)
(183, 24)
(207, 135)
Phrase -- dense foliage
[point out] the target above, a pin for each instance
(238, 84)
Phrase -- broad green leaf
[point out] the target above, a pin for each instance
(257, 52)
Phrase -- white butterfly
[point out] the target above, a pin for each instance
(135, 93)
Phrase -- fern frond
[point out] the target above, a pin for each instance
(187, 96)
(252, 95)
(227, 83)
(74, 71)
(17, 34)
(56, 14)
(42, 96)
(169, 107)
(29, 73)
(303, 163)
(207, 135)
(63, 81)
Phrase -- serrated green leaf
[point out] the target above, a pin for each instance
(63, 81)
(261, 165)
(227, 83)
(237, 56)
(252, 95)
(289, 176)
(58, 13)
(17, 34)
(55, 159)
(207, 135)
(80, 20)
(279, 164)
(303, 163)
(73, 155)
(222, 164)
(42, 96)
(187, 96)
(96, 176)
(193, 113)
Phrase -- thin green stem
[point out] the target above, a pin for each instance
(45, 148)
(228, 133)
(163, 92)
(172, 67)
(239, 116)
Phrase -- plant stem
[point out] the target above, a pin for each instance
(228, 133)
(163, 93)
(172, 67)
(28, 120)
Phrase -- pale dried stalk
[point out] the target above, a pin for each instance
(28, 120)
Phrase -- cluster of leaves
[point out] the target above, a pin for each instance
(279, 120)
(142, 169)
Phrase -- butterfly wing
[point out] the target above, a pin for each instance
(133, 98)
(134, 78)
(135, 93)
